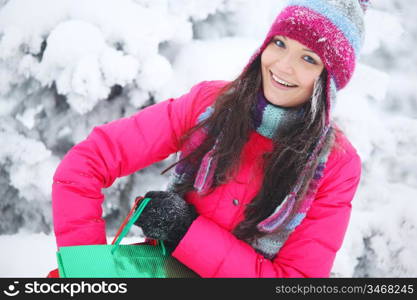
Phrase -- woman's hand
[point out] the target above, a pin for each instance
(166, 217)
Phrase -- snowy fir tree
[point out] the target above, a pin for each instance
(67, 66)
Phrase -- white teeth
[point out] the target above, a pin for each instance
(282, 81)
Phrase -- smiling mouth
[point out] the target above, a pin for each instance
(281, 81)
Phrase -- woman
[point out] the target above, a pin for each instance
(265, 179)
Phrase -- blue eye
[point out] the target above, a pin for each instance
(309, 59)
(279, 43)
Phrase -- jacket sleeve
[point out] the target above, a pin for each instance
(310, 250)
(116, 149)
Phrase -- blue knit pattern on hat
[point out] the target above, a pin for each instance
(339, 17)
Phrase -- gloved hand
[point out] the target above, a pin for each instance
(166, 217)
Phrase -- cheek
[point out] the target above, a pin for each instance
(307, 79)
(267, 57)
(264, 61)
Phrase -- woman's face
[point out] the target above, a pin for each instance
(289, 70)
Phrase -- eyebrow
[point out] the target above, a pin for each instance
(310, 51)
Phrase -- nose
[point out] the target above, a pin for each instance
(284, 63)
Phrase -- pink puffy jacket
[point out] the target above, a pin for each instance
(127, 145)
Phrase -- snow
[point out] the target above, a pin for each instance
(27, 255)
(31, 161)
(156, 71)
(386, 29)
(234, 52)
(33, 255)
(28, 117)
(69, 65)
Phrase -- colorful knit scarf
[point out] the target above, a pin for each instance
(267, 118)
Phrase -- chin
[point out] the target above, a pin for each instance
(276, 98)
(283, 98)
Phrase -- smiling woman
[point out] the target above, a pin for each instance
(289, 71)
(265, 179)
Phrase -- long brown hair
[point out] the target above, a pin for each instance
(291, 146)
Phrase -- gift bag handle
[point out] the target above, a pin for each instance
(125, 229)
(132, 210)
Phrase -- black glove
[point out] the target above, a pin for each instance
(166, 217)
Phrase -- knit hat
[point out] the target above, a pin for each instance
(334, 30)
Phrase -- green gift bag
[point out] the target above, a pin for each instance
(116, 261)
